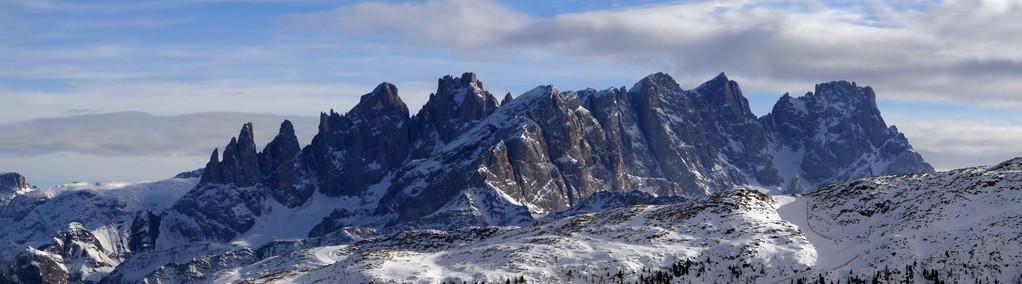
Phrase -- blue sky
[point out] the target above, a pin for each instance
(945, 72)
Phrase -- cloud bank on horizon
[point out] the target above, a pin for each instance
(941, 69)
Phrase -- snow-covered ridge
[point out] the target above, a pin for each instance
(961, 224)
(86, 229)
(466, 169)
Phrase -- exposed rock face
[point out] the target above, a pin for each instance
(281, 171)
(239, 166)
(74, 255)
(145, 229)
(357, 149)
(837, 134)
(743, 141)
(456, 105)
(276, 167)
(465, 160)
(11, 185)
(35, 266)
(11, 182)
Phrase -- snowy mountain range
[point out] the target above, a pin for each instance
(639, 184)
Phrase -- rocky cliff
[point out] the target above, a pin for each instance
(11, 185)
(463, 160)
(466, 160)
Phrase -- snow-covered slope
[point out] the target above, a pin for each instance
(956, 226)
(85, 228)
(965, 224)
(731, 229)
(617, 180)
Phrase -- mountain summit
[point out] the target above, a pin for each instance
(466, 159)
(464, 163)
(11, 185)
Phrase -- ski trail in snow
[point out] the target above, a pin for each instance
(829, 256)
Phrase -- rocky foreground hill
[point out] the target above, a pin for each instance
(471, 185)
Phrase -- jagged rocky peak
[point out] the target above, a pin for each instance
(358, 149)
(239, 166)
(11, 183)
(725, 95)
(211, 173)
(655, 83)
(281, 171)
(837, 134)
(456, 105)
(786, 102)
(507, 99)
(281, 150)
(383, 100)
(844, 91)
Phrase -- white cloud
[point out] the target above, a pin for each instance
(168, 98)
(951, 144)
(54, 169)
(464, 23)
(962, 51)
(129, 145)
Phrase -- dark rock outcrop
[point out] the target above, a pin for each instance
(240, 166)
(145, 229)
(357, 149)
(507, 99)
(11, 185)
(466, 160)
(837, 134)
(11, 182)
(281, 171)
(457, 104)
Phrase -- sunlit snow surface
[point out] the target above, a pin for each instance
(965, 224)
(106, 209)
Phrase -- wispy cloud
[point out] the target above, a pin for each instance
(171, 97)
(461, 23)
(957, 50)
(950, 144)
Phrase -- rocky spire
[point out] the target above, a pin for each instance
(211, 174)
(239, 166)
(382, 101)
(278, 167)
(281, 150)
(357, 149)
(725, 96)
(457, 103)
(507, 99)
